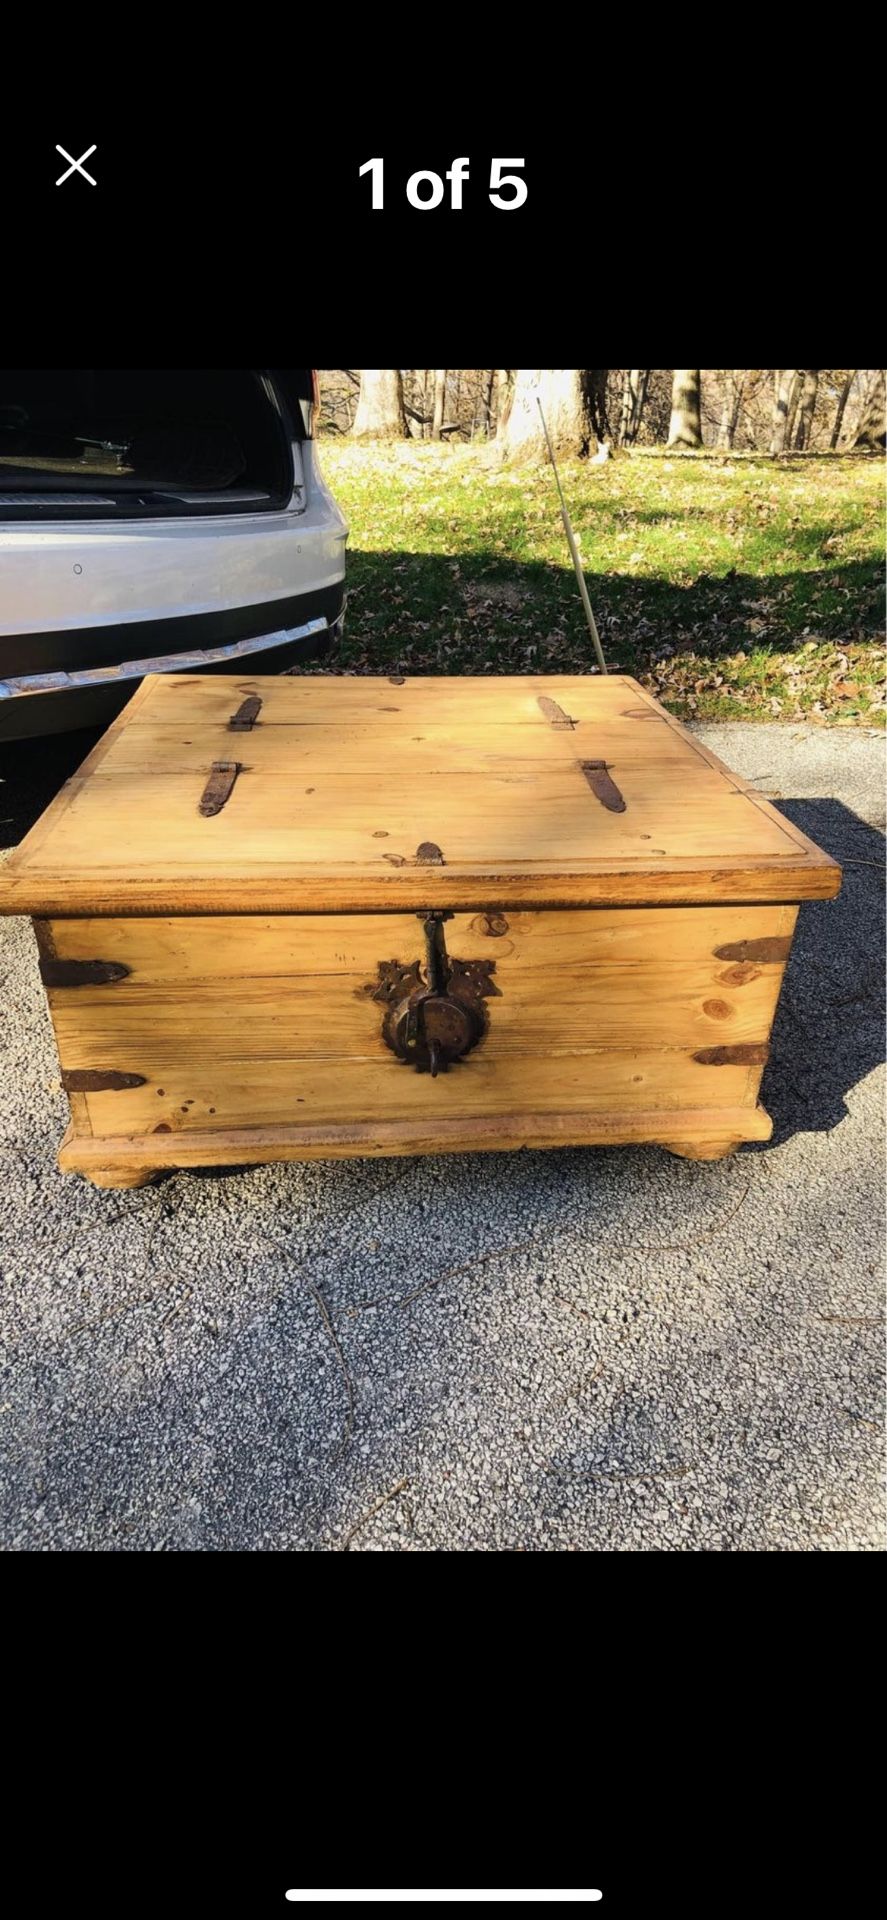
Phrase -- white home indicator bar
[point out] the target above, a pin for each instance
(485, 1893)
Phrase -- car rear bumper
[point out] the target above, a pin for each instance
(56, 702)
(93, 580)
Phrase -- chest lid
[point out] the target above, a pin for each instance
(235, 795)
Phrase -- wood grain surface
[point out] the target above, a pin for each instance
(341, 781)
(228, 1022)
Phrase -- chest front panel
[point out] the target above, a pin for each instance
(262, 1021)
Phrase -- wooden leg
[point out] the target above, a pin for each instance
(121, 1176)
(701, 1149)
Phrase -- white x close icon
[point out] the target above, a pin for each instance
(76, 166)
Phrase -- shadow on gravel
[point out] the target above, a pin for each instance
(31, 774)
(829, 1030)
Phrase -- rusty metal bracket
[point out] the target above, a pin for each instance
(72, 973)
(99, 1080)
(602, 786)
(396, 982)
(747, 1054)
(247, 714)
(218, 787)
(431, 1021)
(554, 714)
(772, 949)
(81, 973)
(471, 980)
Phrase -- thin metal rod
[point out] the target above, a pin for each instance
(571, 542)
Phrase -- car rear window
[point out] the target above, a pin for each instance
(117, 430)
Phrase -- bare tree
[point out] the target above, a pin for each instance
(685, 428)
(752, 408)
(625, 414)
(786, 378)
(871, 429)
(843, 398)
(734, 387)
(489, 389)
(504, 397)
(380, 412)
(339, 395)
(596, 382)
(809, 386)
(566, 397)
(634, 393)
(422, 398)
(440, 394)
(793, 399)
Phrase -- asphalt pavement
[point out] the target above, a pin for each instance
(585, 1350)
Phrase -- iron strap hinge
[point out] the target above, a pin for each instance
(602, 785)
(247, 714)
(223, 774)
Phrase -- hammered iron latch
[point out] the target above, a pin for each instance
(428, 1023)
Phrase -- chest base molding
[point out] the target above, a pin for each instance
(705, 1134)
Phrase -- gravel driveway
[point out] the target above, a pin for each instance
(595, 1349)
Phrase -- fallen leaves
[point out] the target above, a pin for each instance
(720, 594)
(807, 685)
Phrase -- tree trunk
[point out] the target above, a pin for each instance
(422, 400)
(596, 390)
(412, 402)
(440, 389)
(871, 429)
(625, 416)
(733, 387)
(635, 392)
(809, 388)
(737, 407)
(794, 397)
(685, 429)
(488, 400)
(785, 381)
(380, 411)
(504, 397)
(565, 394)
(843, 398)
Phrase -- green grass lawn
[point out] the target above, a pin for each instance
(733, 588)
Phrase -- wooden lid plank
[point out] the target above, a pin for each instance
(544, 789)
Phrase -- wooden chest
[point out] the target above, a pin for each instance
(282, 919)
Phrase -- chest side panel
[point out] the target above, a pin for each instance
(223, 1023)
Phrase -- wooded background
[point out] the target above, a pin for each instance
(763, 410)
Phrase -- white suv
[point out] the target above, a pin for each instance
(153, 521)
